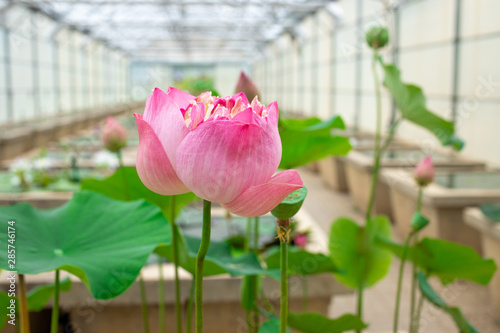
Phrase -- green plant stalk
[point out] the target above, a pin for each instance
(377, 152)
(305, 293)
(255, 291)
(54, 326)
(120, 161)
(283, 229)
(247, 249)
(178, 313)
(200, 258)
(413, 296)
(189, 312)
(416, 324)
(400, 282)
(161, 296)
(375, 172)
(144, 306)
(23, 306)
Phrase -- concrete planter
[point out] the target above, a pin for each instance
(490, 234)
(359, 168)
(38, 199)
(442, 204)
(332, 171)
(222, 310)
(23, 137)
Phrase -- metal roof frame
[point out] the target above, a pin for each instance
(176, 30)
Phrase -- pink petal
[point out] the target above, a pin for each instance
(181, 98)
(220, 159)
(273, 113)
(240, 94)
(153, 165)
(261, 199)
(249, 117)
(163, 114)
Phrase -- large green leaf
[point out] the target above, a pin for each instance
(446, 260)
(271, 326)
(219, 259)
(39, 296)
(317, 323)
(301, 262)
(411, 102)
(354, 251)
(102, 241)
(307, 140)
(463, 325)
(125, 185)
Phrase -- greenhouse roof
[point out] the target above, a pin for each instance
(182, 31)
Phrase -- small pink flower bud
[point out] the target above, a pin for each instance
(300, 241)
(246, 86)
(114, 135)
(424, 172)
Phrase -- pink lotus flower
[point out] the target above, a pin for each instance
(246, 86)
(114, 135)
(424, 172)
(225, 150)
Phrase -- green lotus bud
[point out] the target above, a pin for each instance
(377, 37)
(418, 222)
(291, 205)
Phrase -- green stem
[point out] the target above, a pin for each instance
(54, 326)
(189, 312)
(284, 239)
(23, 306)
(161, 296)
(202, 252)
(178, 313)
(248, 234)
(359, 309)
(400, 282)
(144, 306)
(376, 164)
(416, 324)
(305, 293)
(267, 303)
(413, 297)
(255, 290)
(124, 176)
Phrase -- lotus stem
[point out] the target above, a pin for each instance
(161, 296)
(23, 306)
(178, 313)
(255, 290)
(413, 297)
(400, 282)
(189, 312)
(202, 252)
(304, 293)
(416, 323)
(144, 306)
(54, 326)
(283, 235)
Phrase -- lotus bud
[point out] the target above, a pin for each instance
(114, 135)
(246, 86)
(424, 172)
(377, 37)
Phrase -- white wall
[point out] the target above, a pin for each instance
(326, 70)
